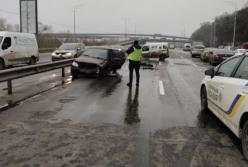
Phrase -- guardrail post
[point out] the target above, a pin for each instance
(63, 72)
(10, 87)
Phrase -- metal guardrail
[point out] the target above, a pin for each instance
(11, 74)
(20, 72)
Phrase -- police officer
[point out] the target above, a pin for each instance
(134, 57)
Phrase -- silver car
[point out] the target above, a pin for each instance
(197, 50)
(68, 51)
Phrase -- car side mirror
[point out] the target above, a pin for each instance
(210, 72)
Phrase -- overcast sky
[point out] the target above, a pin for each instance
(170, 17)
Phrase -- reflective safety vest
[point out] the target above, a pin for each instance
(135, 55)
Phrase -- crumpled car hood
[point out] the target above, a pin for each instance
(90, 60)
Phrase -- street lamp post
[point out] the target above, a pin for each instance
(235, 22)
(234, 26)
(74, 16)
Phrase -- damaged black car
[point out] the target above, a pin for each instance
(98, 61)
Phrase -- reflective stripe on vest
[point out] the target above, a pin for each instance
(136, 55)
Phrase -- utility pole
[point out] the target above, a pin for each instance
(234, 26)
(125, 28)
(235, 22)
(74, 16)
(74, 21)
(214, 37)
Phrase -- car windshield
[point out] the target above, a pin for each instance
(1, 38)
(96, 53)
(68, 46)
(199, 47)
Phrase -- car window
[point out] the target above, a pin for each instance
(199, 47)
(145, 48)
(242, 71)
(116, 53)
(6, 43)
(96, 53)
(68, 46)
(226, 69)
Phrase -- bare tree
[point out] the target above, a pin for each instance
(44, 28)
(2, 24)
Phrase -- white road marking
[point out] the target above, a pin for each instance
(161, 88)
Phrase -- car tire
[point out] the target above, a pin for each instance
(101, 74)
(204, 99)
(244, 140)
(2, 65)
(74, 75)
(32, 60)
(162, 58)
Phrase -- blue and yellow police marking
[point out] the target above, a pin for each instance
(237, 102)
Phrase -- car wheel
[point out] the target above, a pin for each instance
(244, 140)
(2, 66)
(162, 58)
(32, 60)
(101, 74)
(204, 99)
(74, 75)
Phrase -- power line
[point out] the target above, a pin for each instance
(9, 12)
(43, 20)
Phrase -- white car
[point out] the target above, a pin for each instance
(224, 91)
(197, 50)
(68, 51)
(240, 52)
(18, 48)
(187, 47)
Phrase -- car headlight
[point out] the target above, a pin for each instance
(98, 70)
(68, 54)
(53, 54)
(75, 64)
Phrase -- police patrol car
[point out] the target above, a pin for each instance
(224, 91)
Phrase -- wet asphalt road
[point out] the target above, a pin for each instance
(101, 122)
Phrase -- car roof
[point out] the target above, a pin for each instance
(226, 51)
(104, 47)
(72, 43)
(4, 33)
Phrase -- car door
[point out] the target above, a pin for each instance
(240, 83)
(116, 59)
(223, 90)
(9, 53)
(156, 52)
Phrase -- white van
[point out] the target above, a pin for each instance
(18, 48)
(156, 50)
(187, 47)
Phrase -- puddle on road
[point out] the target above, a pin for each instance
(67, 99)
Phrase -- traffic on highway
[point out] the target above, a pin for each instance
(142, 98)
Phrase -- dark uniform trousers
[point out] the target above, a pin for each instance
(134, 65)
